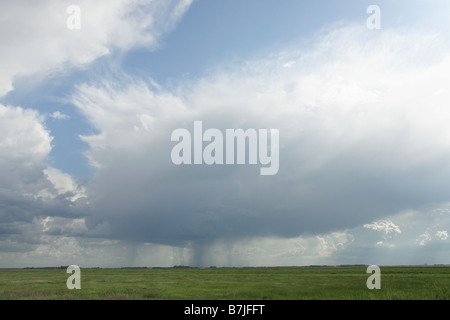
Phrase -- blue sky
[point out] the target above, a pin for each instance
(86, 117)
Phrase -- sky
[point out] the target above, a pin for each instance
(92, 92)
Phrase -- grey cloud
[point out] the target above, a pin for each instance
(353, 147)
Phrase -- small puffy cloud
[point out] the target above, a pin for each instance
(333, 242)
(423, 239)
(59, 116)
(428, 236)
(383, 244)
(442, 235)
(385, 226)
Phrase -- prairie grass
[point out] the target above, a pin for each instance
(318, 283)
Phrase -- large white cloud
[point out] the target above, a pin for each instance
(36, 40)
(363, 134)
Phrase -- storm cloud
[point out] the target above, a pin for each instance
(362, 116)
(363, 135)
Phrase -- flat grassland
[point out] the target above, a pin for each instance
(305, 283)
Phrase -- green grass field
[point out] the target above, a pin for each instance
(349, 283)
